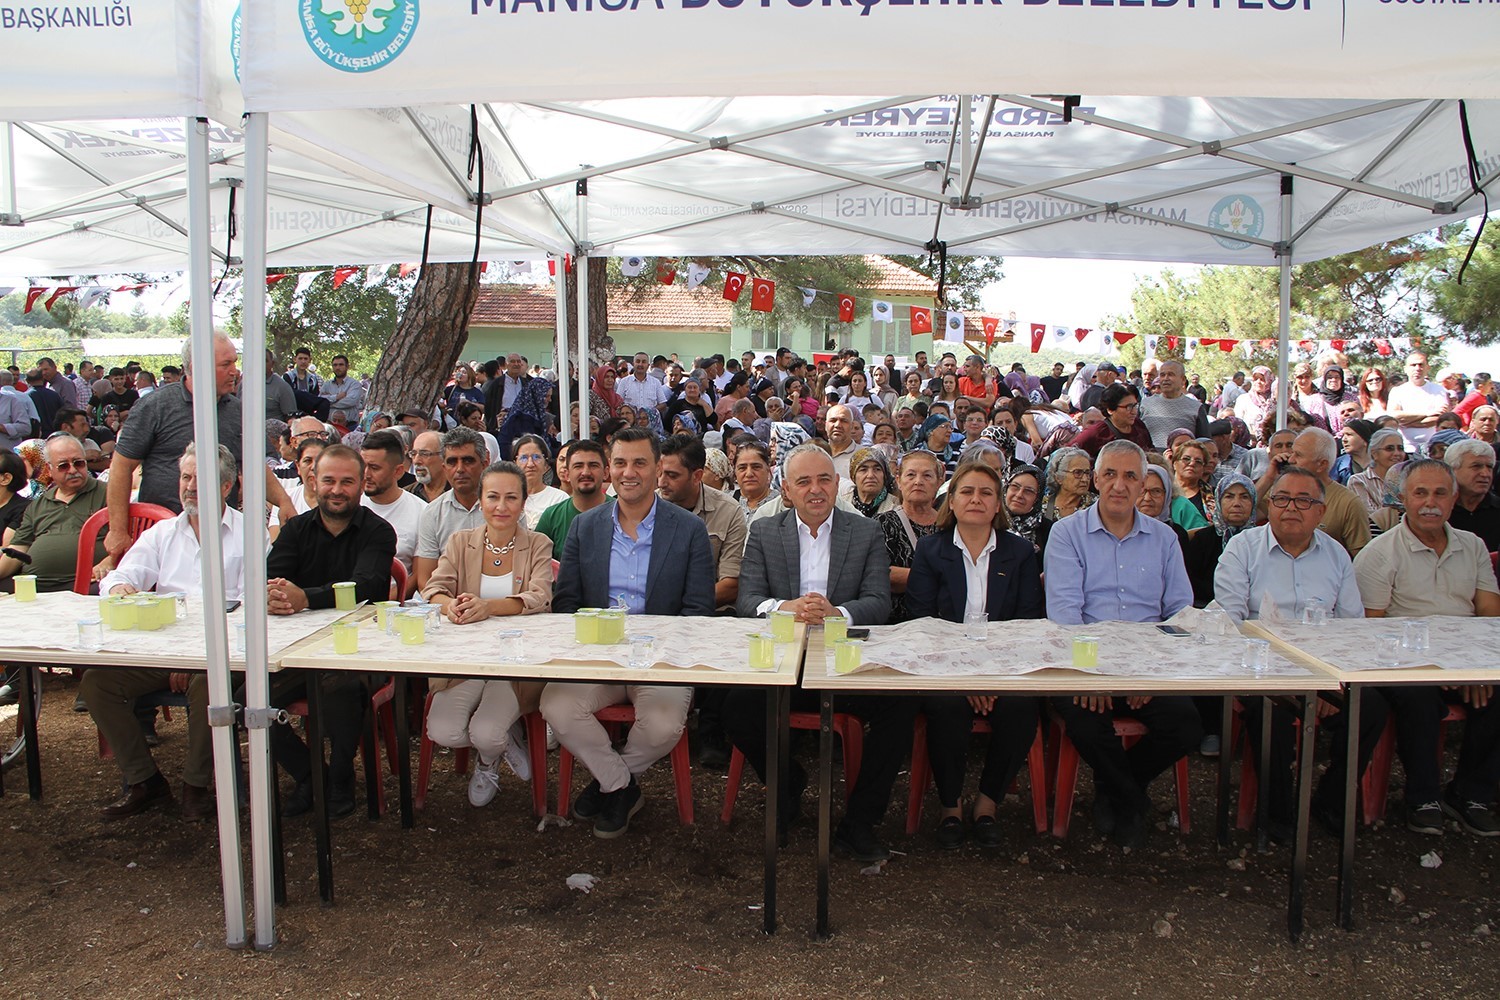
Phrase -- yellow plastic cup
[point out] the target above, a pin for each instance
(122, 614)
(412, 627)
(107, 611)
(1085, 651)
(783, 626)
(762, 651)
(611, 626)
(586, 626)
(835, 628)
(346, 638)
(25, 587)
(147, 618)
(846, 656)
(165, 610)
(383, 611)
(343, 596)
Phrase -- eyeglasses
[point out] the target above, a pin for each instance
(531, 458)
(1025, 491)
(1154, 492)
(1281, 501)
(1374, 378)
(1191, 461)
(1077, 473)
(76, 463)
(425, 453)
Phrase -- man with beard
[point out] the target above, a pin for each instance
(588, 474)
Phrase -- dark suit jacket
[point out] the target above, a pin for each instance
(679, 581)
(938, 587)
(494, 393)
(859, 568)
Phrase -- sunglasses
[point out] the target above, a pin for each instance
(76, 463)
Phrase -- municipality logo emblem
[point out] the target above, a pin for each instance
(1240, 215)
(358, 36)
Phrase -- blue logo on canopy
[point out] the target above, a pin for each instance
(358, 36)
(234, 41)
(1238, 214)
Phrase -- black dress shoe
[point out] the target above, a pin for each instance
(617, 809)
(138, 798)
(589, 801)
(1105, 818)
(950, 833)
(340, 801)
(987, 831)
(713, 755)
(859, 842)
(197, 804)
(1130, 829)
(300, 802)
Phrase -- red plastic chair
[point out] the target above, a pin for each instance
(850, 731)
(1065, 775)
(682, 768)
(142, 516)
(921, 775)
(1376, 782)
(536, 747)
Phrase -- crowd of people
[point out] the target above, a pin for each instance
(853, 488)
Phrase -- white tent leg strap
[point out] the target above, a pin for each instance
(1284, 330)
(206, 433)
(581, 262)
(8, 216)
(560, 355)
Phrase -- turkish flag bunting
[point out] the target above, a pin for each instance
(343, 274)
(846, 309)
(734, 284)
(1171, 343)
(32, 294)
(1306, 345)
(666, 272)
(1207, 341)
(763, 295)
(1337, 345)
(1268, 345)
(58, 293)
(271, 279)
(1227, 345)
(1383, 347)
(551, 265)
(131, 288)
(921, 319)
(1080, 333)
(406, 269)
(1038, 331)
(991, 326)
(1121, 337)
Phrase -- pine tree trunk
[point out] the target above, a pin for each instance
(429, 337)
(601, 344)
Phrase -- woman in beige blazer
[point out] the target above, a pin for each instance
(497, 569)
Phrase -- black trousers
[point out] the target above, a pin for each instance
(1417, 712)
(346, 697)
(1278, 784)
(889, 721)
(950, 721)
(1172, 731)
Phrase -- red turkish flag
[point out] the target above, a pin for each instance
(32, 294)
(1306, 345)
(666, 272)
(921, 319)
(343, 274)
(1038, 331)
(1227, 345)
(1080, 333)
(991, 325)
(1268, 345)
(1171, 343)
(1383, 347)
(1337, 345)
(762, 295)
(734, 284)
(846, 309)
(58, 293)
(1206, 342)
(271, 279)
(1122, 337)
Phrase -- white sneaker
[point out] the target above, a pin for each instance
(516, 756)
(485, 783)
(552, 742)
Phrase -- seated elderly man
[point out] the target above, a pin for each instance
(165, 558)
(1476, 509)
(1111, 563)
(816, 561)
(46, 543)
(1345, 519)
(1425, 566)
(1288, 560)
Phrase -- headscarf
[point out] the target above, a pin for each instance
(1002, 439)
(860, 457)
(1225, 530)
(1333, 397)
(1014, 381)
(1034, 391)
(1448, 437)
(1025, 525)
(528, 415)
(1392, 497)
(785, 437)
(1081, 383)
(1165, 517)
(1241, 433)
(932, 423)
(718, 463)
(653, 420)
(610, 399)
(689, 421)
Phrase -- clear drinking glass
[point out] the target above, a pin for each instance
(90, 633)
(1388, 649)
(1257, 656)
(976, 626)
(1085, 651)
(642, 651)
(1415, 635)
(512, 646)
(1314, 611)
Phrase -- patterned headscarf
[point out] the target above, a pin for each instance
(1025, 525)
(718, 463)
(785, 437)
(1225, 530)
(860, 457)
(1002, 439)
(933, 422)
(1165, 516)
(688, 421)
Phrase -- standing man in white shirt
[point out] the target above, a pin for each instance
(641, 390)
(165, 558)
(1417, 403)
(385, 464)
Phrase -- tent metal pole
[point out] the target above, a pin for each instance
(560, 356)
(7, 173)
(211, 542)
(581, 262)
(1284, 332)
(257, 681)
(965, 130)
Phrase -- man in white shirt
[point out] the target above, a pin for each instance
(385, 464)
(165, 559)
(345, 394)
(641, 390)
(843, 438)
(1417, 403)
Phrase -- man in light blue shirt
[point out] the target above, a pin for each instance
(1282, 564)
(1111, 563)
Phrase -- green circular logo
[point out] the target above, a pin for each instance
(358, 36)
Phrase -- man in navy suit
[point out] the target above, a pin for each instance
(819, 562)
(656, 556)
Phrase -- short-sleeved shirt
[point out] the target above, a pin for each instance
(440, 520)
(158, 432)
(405, 515)
(1400, 575)
(49, 531)
(725, 522)
(648, 393)
(1419, 400)
(556, 520)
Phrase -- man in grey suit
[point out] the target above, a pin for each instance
(818, 561)
(656, 557)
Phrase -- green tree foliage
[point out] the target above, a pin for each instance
(59, 333)
(1471, 310)
(966, 276)
(351, 319)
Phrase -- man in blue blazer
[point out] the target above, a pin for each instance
(817, 562)
(656, 557)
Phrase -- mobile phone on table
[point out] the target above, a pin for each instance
(231, 607)
(858, 633)
(1173, 630)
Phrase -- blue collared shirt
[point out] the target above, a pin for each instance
(630, 560)
(1092, 576)
(1254, 568)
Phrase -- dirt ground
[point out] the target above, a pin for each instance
(476, 902)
